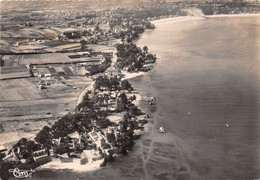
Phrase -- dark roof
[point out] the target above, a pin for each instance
(52, 70)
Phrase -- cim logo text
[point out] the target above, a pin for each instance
(21, 173)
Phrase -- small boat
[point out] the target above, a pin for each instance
(227, 124)
(162, 130)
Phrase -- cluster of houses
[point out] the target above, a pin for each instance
(52, 71)
(22, 155)
(49, 72)
(113, 102)
(96, 145)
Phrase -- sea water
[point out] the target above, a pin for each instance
(207, 84)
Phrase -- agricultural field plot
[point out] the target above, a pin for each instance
(110, 43)
(13, 34)
(52, 44)
(68, 71)
(29, 48)
(25, 117)
(18, 90)
(11, 60)
(37, 58)
(54, 58)
(11, 136)
(68, 46)
(4, 34)
(31, 33)
(70, 87)
(29, 58)
(14, 75)
(48, 33)
(3, 42)
(79, 80)
(12, 69)
(19, 103)
(54, 33)
(100, 48)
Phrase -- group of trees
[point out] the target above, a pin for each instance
(80, 120)
(127, 56)
(66, 125)
(132, 57)
(94, 69)
(72, 34)
(125, 85)
(103, 82)
(26, 148)
(127, 129)
(114, 83)
(69, 123)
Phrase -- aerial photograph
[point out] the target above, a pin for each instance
(130, 89)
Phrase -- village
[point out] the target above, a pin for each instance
(106, 120)
(88, 133)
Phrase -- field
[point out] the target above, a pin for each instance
(18, 90)
(101, 48)
(10, 72)
(50, 58)
(26, 109)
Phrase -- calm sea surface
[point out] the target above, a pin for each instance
(208, 75)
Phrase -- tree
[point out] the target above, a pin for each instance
(29, 145)
(123, 98)
(83, 44)
(132, 98)
(44, 137)
(145, 49)
(150, 56)
(86, 103)
(138, 65)
(21, 142)
(125, 85)
(96, 28)
(126, 116)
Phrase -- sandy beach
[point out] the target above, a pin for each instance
(175, 19)
(158, 22)
(130, 75)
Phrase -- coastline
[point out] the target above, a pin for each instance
(175, 19)
(231, 15)
(151, 131)
(183, 146)
(189, 18)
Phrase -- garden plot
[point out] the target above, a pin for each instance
(18, 90)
